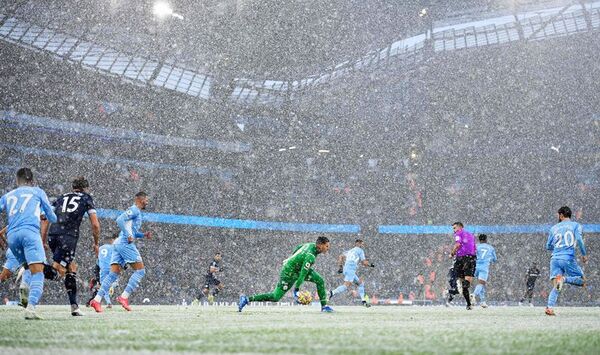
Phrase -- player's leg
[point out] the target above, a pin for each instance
(556, 274)
(117, 261)
(205, 290)
(574, 274)
(11, 265)
(314, 277)
(349, 276)
(282, 287)
(530, 295)
(361, 287)
(482, 277)
(102, 273)
(218, 288)
(361, 292)
(465, 274)
(71, 287)
(317, 279)
(35, 256)
(59, 263)
(132, 256)
(24, 285)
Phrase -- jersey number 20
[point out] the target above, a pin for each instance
(568, 239)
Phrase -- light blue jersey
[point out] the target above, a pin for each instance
(130, 223)
(353, 257)
(486, 254)
(562, 239)
(24, 206)
(104, 256)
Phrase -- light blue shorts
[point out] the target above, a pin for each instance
(11, 263)
(125, 254)
(482, 273)
(350, 276)
(564, 267)
(26, 246)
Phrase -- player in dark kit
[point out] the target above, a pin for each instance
(532, 274)
(64, 234)
(211, 280)
(453, 286)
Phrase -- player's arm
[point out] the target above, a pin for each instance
(455, 249)
(125, 223)
(3, 242)
(341, 260)
(47, 207)
(44, 227)
(364, 261)
(95, 224)
(550, 241)
(580, 243)
(309, 260)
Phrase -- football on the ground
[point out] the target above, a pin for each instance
(304, 297)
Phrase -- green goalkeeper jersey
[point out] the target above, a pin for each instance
(296, 267)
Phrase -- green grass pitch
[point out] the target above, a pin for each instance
(350, 330)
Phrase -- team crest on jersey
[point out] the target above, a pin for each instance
(285, 287)
(129, 212)
(307, 265)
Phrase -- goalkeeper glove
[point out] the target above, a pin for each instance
(340, 270)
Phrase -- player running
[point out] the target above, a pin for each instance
(125, 252)
(211, 280)
(486, 254)
(104, 257)
(453, 286)
(464, 265)
(563, 265)
(297, 269)
(64, 234)
(23, 206)
(532, 274)
(348, 264)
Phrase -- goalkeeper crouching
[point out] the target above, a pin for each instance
(296, 269)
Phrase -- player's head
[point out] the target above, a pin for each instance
(218, 256)
(141, 200)
(456, 226)
(564, 213)
(24, 177)
(80, 184)
(359, 243)
(482, 238)
(322, 245)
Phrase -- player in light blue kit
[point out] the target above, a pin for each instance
(125, 252)
(23, 206)
(104, 258)
(350, 261)
(486, 254)
(563, 265)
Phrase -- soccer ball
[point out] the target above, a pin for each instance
(304, 297)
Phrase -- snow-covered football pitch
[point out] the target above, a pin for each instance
(284, 329)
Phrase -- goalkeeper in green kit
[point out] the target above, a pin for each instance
(296, 270)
